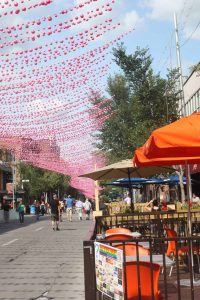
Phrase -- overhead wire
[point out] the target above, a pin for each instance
(184, 14)
(168, 60)
(182, 24)
(191, 34)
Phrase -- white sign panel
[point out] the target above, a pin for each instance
(109, 270)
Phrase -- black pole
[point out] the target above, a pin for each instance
(130, 190)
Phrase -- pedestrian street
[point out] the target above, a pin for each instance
(39, 263)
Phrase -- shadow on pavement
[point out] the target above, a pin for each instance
(15, 224)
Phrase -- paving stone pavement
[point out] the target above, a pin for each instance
(39, 263)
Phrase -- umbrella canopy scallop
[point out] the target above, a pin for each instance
(178, 139)
(126, 168)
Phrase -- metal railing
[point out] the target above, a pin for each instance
(150, 224)
(184, 262)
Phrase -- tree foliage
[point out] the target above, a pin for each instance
(140, 101)
(41, 181)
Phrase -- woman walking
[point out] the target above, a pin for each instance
(21, 212)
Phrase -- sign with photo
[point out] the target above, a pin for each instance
(9, 188)
(109, 270)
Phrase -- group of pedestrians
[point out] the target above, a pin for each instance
(79, 207)
(55, 208)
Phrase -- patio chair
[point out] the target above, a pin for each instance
(118, 236)
(131, 249)
(182, 251)
(118, 230)
(148, 274)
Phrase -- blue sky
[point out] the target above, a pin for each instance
(154, 28)
(64, 109)
(153, 23)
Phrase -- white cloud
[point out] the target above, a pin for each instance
(187, 13)
(131, 20)
(162, 9)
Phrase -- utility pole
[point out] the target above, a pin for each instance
(187, 166)
(183, 106)
(183, 110)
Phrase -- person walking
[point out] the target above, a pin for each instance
(6, 211)
(62, 206)
(79, 208)
(42, 208)
(37, 210)
(69, 203)
(87, 206)
(65, 202)
(55, 212)
(21, 212)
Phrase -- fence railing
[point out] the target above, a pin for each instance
(179, 272)
(150, 224)
(184, 280)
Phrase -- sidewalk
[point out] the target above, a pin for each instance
(37, 261)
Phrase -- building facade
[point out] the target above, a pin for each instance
(5, 171)
(191, 90)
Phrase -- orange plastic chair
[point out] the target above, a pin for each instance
(171, 249)
(172, 245)
(145, 280)
(118, 230)
(120, 236)
(131, 249)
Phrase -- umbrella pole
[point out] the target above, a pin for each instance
(130, 190)
(189, 282)
(189, 198)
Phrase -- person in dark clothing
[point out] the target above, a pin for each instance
(55, 212)
(37, 210)
(21, 210)
(42, 208)
(6, 209)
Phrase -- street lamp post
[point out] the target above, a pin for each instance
(14, 177)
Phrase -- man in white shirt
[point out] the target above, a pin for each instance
(127, 200)
(87, 205)
(79, 208)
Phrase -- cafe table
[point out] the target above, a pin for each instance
(156, 258)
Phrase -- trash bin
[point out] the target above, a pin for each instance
(32, 210)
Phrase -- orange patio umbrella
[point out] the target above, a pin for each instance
(178, 139)
(140, 159)
(174, 144)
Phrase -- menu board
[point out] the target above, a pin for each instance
(109, 270)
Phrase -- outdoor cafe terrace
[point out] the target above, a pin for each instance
(143, 256)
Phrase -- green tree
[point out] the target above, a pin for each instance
(140, 101)
(42, 181)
